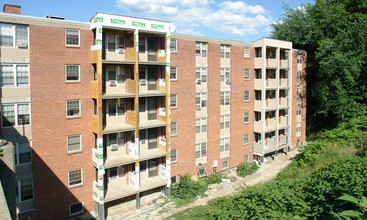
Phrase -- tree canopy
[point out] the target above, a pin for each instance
(334, 35)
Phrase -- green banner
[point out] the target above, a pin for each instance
(98, 19)
(117, 21)
(98, 41)
(138, 24)
(99, 30)
(157, 26)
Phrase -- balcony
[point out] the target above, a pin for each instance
(152, 143)
(152, 81)
(116, 119)
(271, 145)
(283, 122)
(258, 84)
(284, 63)
(259, 62)
(271, 125)
(283, 140)
(119, 188)
(283, 102)
(272, 63)
(151, 183)
(119, 47)
(271, 104)
(258, 126)
(283, 82)
(258, 105)
(151, 49)
(271, 83)
(114, 89)
(152, 175)
(258, 148)
(151, 114)
(119, 156)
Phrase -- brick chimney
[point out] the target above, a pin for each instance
(11, 9)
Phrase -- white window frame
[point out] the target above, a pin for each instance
(246, 96)
(15, 75)
(80, 108)
(72, 45)
(202, 125)
(225, 93)
(246, 74)
(173, 150)
(14, 43)
(298, 127)
(299, 109)
(299, 58)
(225, 162)
(203, 99)
(225, 144)
(80, 143)
(72, 214)
(299, 76)
(223, 75)
(202, 175)
(170, 101)
(203, 71)
(66, 73)
(16, 116)
(16, 153)
(201, 150)
(246, 115)
(203, 46)
(225, 51)
(171, 68)
(81, 178)
(170, 45)
(226, 121)
(116, 42)
(18, 199)
(244, 138)
(246, 53)
(173, 134)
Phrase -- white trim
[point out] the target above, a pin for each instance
(15, 114)
(15, 74)
(244, 74)
(226, 166)
(176, 128)
(170, 106)
(80, 143)
(76, 212)
(245, 96)
(173, 39)
(80, 108)
(81, 178)
(71, 45)
(248, 121)
(249, 52)
(17, 153)
(248, 139)
(66, 75)
(175, 67)
(174, 161)
(18, 200)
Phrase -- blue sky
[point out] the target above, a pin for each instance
(246, 20)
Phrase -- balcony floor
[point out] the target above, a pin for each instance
(151, 183)
(118, 95)
(152, 93)
(114, 160)
(118, 128)
(118, 190)
(153, 153)
(151, 124)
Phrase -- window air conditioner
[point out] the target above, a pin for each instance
(22, 44)
(121, 50)
(114, 147)
(143, 82)
(198, 107)
(228, 81)
(112, 82)
(198, 81)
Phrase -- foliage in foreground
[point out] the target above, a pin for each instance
(245, 168)
(309, 188)
(360, 213)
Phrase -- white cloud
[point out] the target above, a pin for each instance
(188, 16)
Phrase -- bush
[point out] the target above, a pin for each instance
(212, 179)
(245, 169)
(188, 188)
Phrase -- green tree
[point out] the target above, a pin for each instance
(334, 34)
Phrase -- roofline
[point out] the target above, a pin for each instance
(211, 39)
(43, 19)
(128, 17)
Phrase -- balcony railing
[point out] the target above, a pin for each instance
(271, 103)
(283, 82)
(271, 83)
(272, 62)
(283, 101)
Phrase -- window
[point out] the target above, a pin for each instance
(173, 179)
(202, 172)
(257, 116)
(245, 158)
(115, 43)
(271, 115)
(225, 164)
(72, 37)
(258, 138)
(225, 75)
(173, 45)
(298, 127)
(299, 76)
(299, 92)
(13, 35)
(173, 128)
(258, 74)
(246, 95)
(224, 121)
(201, 99)
(75, 177)
(271, 94)
(272, 54)
(200, 150)
(258, 52)
(224, 98)
(246, 74)
(299, 109)
(258, 95)
(24, 190)
(246, 117)
(271, 74)
(247, 52)
(200, 125)
(13, 75)
(225, 51)
(245, 139)
(201, 49)
(173, 101)
(299, 58)
(73, 143)
(224, 144)
(141, 44)
(23, 153)
(112, 173)
(201, 74)
(15, 114)
(173, 155)
(72, 73)
(73, 108)
(76, 208)
(173, 73)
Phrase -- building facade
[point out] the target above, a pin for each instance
(105, 114)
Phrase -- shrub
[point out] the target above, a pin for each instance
(188, 188)
(245, 169)
(215, 178)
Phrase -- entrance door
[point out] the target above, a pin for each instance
(152, 108)
(152, 138)
(152, 79)
(153, 167)
(152, 49)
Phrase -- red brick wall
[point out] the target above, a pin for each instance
(304, 97)
(50, 127)
(294, 99)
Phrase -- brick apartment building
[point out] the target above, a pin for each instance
(104, 115)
